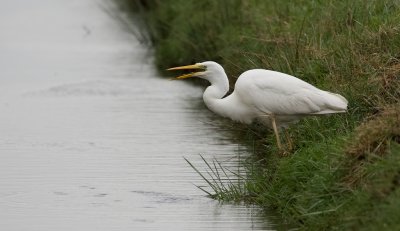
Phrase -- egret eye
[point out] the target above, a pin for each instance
(203, 68)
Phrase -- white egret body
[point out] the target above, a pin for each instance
(276, 99)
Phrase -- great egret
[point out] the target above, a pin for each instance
(274, 98)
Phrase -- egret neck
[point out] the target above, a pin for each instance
(213, 95)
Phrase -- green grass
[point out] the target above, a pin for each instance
(344, 172)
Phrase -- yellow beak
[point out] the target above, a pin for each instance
(188, 67)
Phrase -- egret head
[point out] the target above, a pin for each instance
(208, 70)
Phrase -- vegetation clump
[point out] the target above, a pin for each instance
(376, 134)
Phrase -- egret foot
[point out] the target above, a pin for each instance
(284, 153)
(289, 141)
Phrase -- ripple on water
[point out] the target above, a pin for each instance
(88, 88)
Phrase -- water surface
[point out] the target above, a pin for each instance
(91, 138)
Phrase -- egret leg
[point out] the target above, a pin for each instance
(278, 140)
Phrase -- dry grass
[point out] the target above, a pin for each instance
(376, 134)
(372, 141)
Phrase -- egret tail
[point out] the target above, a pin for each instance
(334, 103)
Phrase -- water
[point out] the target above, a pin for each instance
(91, 138)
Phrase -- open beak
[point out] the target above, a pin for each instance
(188, 67)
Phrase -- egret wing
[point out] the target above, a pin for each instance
(278, 93)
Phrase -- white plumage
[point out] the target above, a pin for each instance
(286, 97)
(274, 98)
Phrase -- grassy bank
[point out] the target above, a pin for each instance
(344, 170)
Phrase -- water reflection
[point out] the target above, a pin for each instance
(91, 138)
